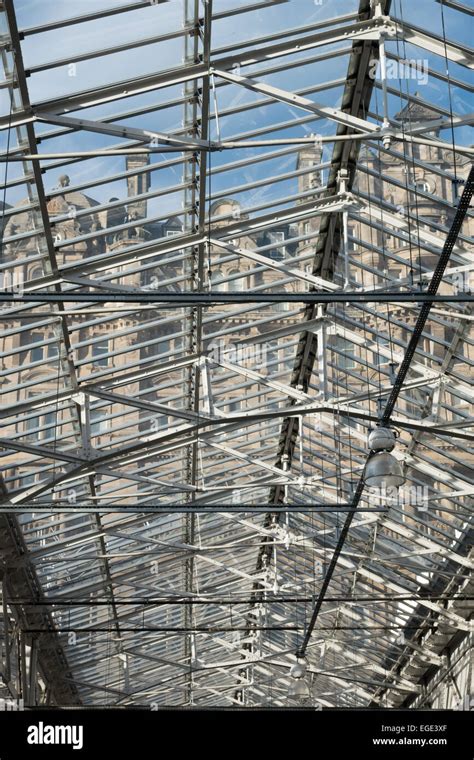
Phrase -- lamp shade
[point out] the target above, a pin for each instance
(383, 471)
(299, 689)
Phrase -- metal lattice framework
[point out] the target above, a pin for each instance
(259, 252)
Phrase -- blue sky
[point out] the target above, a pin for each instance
(154, 20)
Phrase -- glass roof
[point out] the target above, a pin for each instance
(236, 238)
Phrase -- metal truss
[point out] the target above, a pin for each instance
(222, 264)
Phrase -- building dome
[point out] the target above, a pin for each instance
(226, 210)
(63, 209)
(59, 205)
(69, 202)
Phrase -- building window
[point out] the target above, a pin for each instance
(351, 244)
(40, 351)
(52, 347)
(273, 425)
(460, 404)
(381, 358)
(141, 187)
(236, 284)
(27, 480)
(37, 353)
(457, 188)
(100, 352)
(98, 422)
(37, 349)
(423, 186)
(415, 399)
(49, 425)
(343, 350)
(216, 278)
(41, 426)
(289, 353)
(277, 238)
(163, 347)
(159, 422)
(32, 427)
(272, 357)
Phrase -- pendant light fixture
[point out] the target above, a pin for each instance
(382, 469)
(299, 688)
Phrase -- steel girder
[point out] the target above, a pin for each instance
(199, 544)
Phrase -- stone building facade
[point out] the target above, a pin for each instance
(384, 254)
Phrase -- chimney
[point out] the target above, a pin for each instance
(307, 157)
(137, 184)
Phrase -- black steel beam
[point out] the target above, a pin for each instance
(214, 299)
